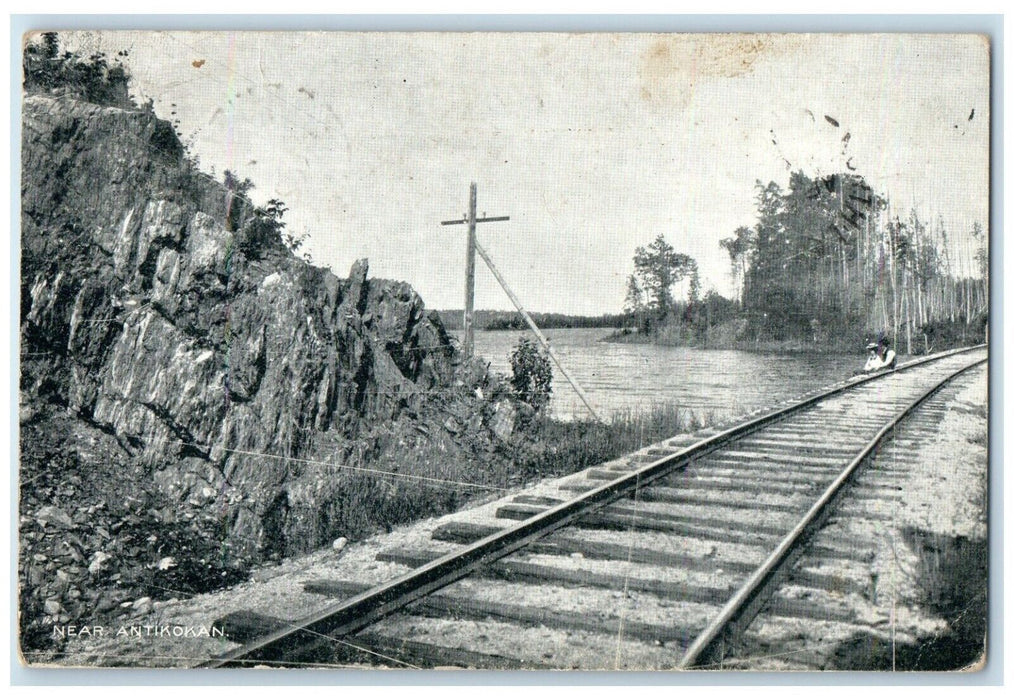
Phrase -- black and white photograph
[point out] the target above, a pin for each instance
(503, 351)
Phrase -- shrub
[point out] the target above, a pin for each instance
(532, 375)
(258, 230)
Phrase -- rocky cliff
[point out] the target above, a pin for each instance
(164, 335)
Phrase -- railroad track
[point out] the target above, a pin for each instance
(659, 560)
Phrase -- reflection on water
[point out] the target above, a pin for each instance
(717, 383)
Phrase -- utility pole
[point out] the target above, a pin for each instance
(473, 246)
(471, 220)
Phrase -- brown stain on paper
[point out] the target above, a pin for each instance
(672, 66)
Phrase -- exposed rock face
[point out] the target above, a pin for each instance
(147, 314)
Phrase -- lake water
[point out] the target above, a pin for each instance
(719, 384)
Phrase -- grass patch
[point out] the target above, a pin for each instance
(555, 448)
(417, 480)
(952, 577)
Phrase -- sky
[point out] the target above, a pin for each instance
(593, 144)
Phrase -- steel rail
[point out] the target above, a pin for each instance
(360, 611)
(710, 645)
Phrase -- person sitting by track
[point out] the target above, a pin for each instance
(872, 360)
(881, 357)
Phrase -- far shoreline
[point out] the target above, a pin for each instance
(627, 336)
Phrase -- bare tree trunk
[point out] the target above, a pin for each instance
(904, 313)
(971, 280)
(920, 274)
(894, 288)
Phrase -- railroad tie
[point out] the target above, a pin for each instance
(470, 608)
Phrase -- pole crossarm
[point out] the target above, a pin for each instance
(478, 221)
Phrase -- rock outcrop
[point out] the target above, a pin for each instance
(151, 313)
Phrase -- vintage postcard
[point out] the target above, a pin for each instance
(592, 351)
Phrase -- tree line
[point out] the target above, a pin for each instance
(491, 320)
(828, 262)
